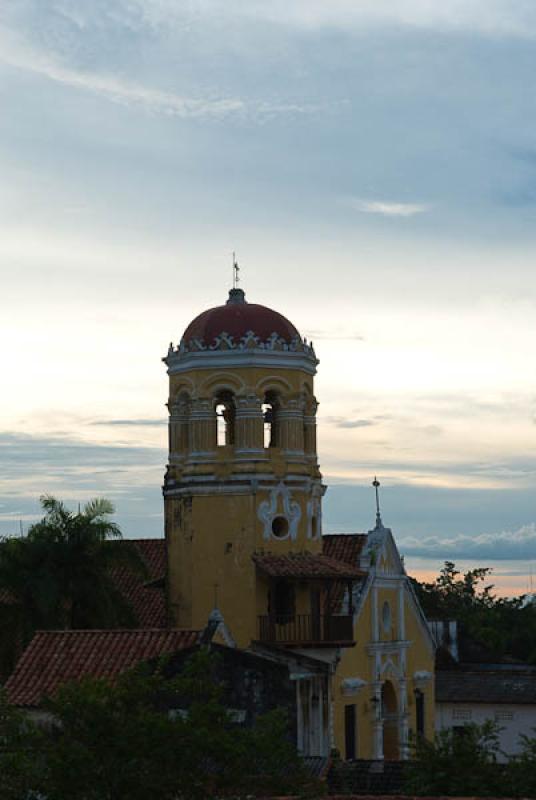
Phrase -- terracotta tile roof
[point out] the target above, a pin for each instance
(486, 686)
(304, 565)
(154, 554)
(55, 657)
(345, 547)
(148, 602)
(6, 598)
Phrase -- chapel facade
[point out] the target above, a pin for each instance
(243, 526)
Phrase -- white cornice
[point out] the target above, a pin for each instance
(388, 648)
(222, 359)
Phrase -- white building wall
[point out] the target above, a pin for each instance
(513, 719)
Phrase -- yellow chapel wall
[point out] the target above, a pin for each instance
(357, 662)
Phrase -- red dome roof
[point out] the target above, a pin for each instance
(236, 318)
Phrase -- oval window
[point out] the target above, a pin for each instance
(280, 527)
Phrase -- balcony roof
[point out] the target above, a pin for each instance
(305, 565)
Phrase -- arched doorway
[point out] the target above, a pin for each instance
(391, 750)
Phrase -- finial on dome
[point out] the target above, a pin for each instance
(236, 295)
(236, 270)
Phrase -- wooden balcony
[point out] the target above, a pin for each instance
(307, 630)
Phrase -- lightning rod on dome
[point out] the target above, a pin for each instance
(236, 270)
(376, 485)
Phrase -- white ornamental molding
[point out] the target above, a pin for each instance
(248, 342)
(352, 686)
(279, 504)
(390, 670)
(314, 511)
(422, 678)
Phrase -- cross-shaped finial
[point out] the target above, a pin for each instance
(376, 485)
(236, 270)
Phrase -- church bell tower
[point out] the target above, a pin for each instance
(242, 480)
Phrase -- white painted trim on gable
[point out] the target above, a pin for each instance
(421, 619)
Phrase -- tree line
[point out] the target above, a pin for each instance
(504, 626)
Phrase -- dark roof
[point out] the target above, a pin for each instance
(237, 318)
(305, 565)
(147, 600)
(485, 686)
(55, 657)
(345, 547)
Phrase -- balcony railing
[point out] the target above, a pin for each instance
(305, 629)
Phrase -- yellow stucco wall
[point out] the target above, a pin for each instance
(212, 533)
(359, 662)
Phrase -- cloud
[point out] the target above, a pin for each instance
(485, 17)
(340, 336)
(519, 544)
(130, 422)
(343, 422)
(76, 471)
(388, 209)
(17, 54)
(70, 457)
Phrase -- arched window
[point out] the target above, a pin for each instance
(270, 416)
(225, 418)
(386, 617)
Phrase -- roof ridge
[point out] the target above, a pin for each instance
(144, 539)
(116, 630)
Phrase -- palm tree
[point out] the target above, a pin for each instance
(60, 575)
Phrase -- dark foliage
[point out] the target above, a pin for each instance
(505, 626)
(463, 763)
(59, 575)
(122, 742)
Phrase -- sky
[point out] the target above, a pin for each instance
(372, 163)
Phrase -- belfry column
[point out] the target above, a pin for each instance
(249, 426)
(178, 431)
(309, 430)
(290, 417)
(203, 427)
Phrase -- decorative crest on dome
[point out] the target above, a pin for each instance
(248, 342)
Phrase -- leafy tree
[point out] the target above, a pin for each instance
(458, 762)
(60, 574)
(20, 762)
(522, 768)
(120, 742)
(507, 626)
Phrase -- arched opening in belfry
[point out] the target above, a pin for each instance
(270, 408)
(225, 418)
